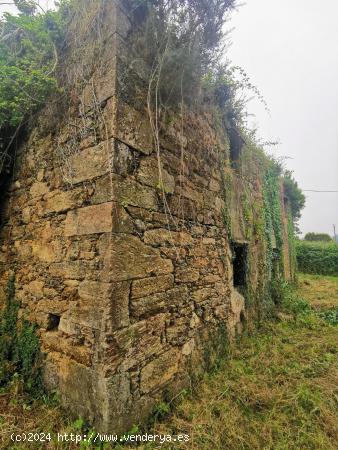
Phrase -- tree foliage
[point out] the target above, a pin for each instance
(29, 44)
(319, 237)
(294, 195)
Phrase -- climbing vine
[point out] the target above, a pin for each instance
(292, 243)
(272, 205)
(274, 264)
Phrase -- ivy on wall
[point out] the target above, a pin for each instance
(272, 207)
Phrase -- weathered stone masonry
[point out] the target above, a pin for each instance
(126, 295)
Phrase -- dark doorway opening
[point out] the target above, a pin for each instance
(239, 264)
(53, 322)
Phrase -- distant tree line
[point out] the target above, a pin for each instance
(318, 237)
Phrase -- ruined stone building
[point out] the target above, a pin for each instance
(135, 264)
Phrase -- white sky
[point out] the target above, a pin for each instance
(289, 50)
(45, 4)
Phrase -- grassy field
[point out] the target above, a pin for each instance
(278, 388)
(321, 291)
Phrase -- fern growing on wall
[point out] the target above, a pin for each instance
(19, 347)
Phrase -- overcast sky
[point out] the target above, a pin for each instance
(289, 49)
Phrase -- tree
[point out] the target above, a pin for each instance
(295, 197)
(29, 45)
(321, 237)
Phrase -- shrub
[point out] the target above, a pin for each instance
(317, 257)
(330, 315)
(29, 48)
(321, 237)
(19, 347)
(295, 197)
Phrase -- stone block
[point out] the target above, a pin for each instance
(23, 250)
(194, 321)
(131, 126)
(141, 341)
(38, 189)
(75, 379)
(34, 288)
(185, 275)
(118, 310)
(26, 215)
(208, 241)
(183, 207)
(84, 313)
(188, 347)
(124, 159)
(159, 372)
(94, 291)
(189, 191)
(126, 257)
(177, 332)
(122, 222)
(203, 294)
(61, 201)
(47, 251)
(219, 205)
(52, 342)
(159, 303)
(127, 192)
(151, 285)
(71, 269)
(210, 278)
(148, 306)
(148, 174)
(89, 220)
(90, 163)
(178, 295)
(237, 312)
(214, 185)
(162, 236)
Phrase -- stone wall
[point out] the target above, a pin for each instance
(129, 277)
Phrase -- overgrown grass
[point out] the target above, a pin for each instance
(317, 257)
(321, 291)
(277, 389)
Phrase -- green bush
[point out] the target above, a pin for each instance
(295, 197)
(321, 237)
(19, 347)
(317, 257)
(330, 315)
(29, 48)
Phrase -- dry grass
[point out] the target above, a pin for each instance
(321, 291)
(278, 390)
(18, 415)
